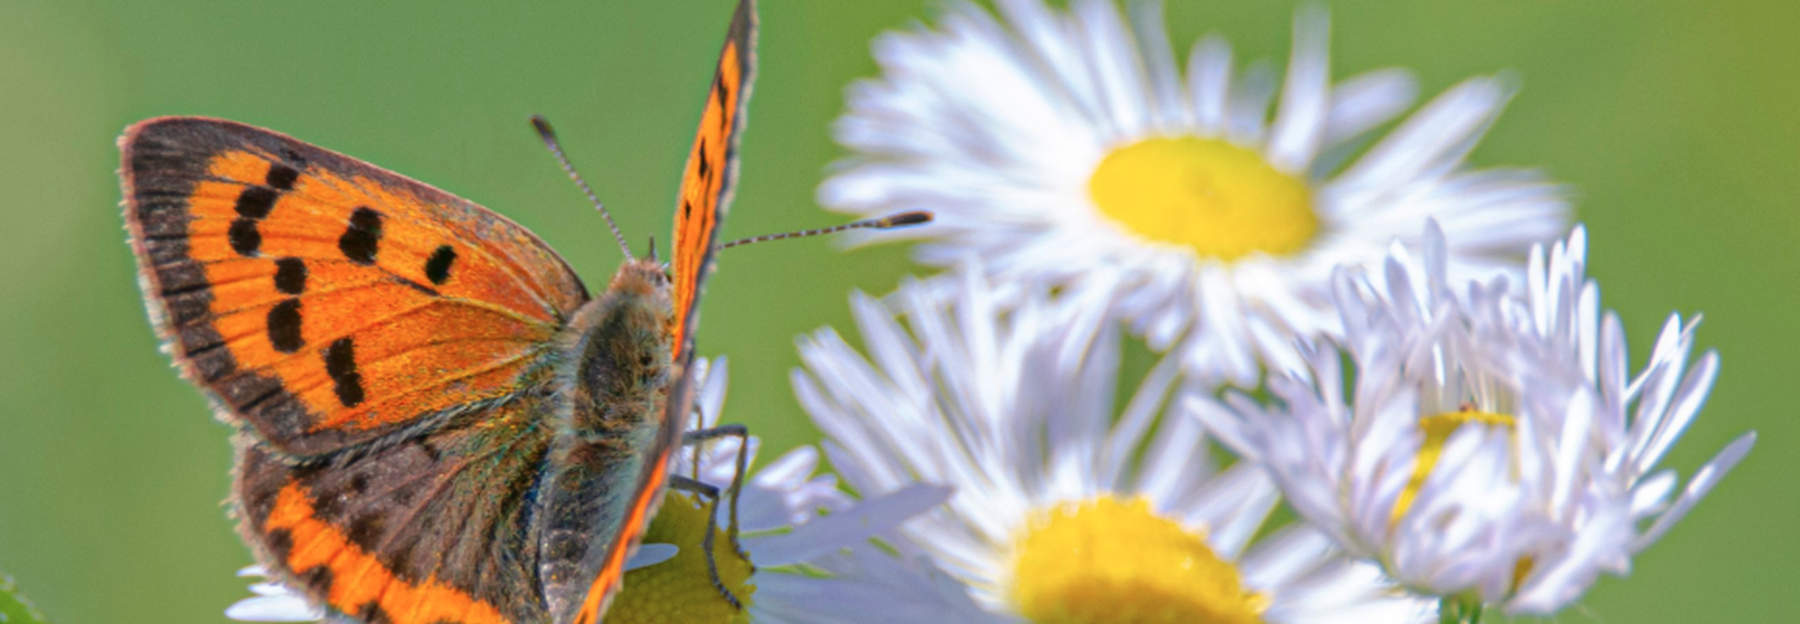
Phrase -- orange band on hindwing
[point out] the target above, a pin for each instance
(359, 583)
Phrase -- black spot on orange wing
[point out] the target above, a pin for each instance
(437, 268)
(245, 239)
(256, 202)
(284, 326)
(705, 164)
(723, 92)
(290, 276)
(340, 364)
(282, 176)
(362, 241)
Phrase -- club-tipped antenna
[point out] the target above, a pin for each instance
(897, 220)
(549, 137)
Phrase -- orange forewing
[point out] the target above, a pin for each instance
(707, 181)
(706, 188)
(322, 300)
(408, 331)
(359, 580)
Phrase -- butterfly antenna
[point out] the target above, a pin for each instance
(549, 137)
(899, 220)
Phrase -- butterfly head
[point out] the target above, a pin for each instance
(643, 277)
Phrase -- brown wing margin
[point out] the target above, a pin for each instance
(706, 187)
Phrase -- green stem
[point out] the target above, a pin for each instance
(1462, 610)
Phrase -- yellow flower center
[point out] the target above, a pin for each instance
(1220, 200)
(1437, 431)
(1106, 560)
(678, 591)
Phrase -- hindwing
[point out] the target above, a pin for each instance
(436, 529)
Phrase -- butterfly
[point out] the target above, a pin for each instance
(436, 423)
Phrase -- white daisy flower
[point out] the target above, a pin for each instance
(1494, 447)
(1070, 146)
(878, 586)
(273, 602)
(808, 547)
(1064, 513)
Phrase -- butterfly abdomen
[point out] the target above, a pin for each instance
(616, 358)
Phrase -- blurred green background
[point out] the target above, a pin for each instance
(1678, 122)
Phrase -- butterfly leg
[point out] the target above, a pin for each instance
(700, 436)
(699, 425)
(710, 492)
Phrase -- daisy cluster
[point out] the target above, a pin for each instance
(1353, 322)
(1384, 388)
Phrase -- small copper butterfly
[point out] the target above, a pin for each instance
(436, 423)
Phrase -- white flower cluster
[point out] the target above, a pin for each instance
(1353, 323)
(1487, 447)
(1491, 443)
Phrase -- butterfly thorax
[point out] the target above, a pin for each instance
(619, 351)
